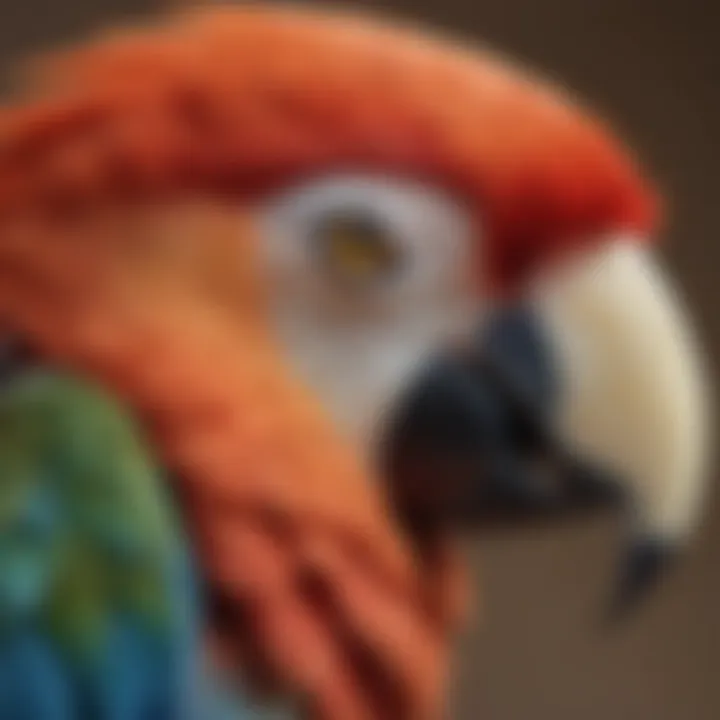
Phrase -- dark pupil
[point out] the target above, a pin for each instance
(356, 247)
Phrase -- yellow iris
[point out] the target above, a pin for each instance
(357, 249)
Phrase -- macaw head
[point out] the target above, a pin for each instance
(277, 231)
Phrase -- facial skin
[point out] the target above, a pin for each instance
(358, 342)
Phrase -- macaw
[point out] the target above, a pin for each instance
(291, 298)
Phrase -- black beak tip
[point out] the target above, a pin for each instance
(643, 568)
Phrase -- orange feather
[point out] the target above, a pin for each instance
(240, 100)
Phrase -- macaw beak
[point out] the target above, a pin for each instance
(589, 392)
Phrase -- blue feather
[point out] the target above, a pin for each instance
(33, 680)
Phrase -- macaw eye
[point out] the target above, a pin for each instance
(393, 239)
(357, 249)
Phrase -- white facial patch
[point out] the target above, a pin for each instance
(358, 345)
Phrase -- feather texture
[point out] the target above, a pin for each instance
(97, 616)
(206, 103)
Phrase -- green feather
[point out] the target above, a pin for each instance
(85, 528)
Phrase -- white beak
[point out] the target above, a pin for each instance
(635, 396)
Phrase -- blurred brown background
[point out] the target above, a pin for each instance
(653, 67)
